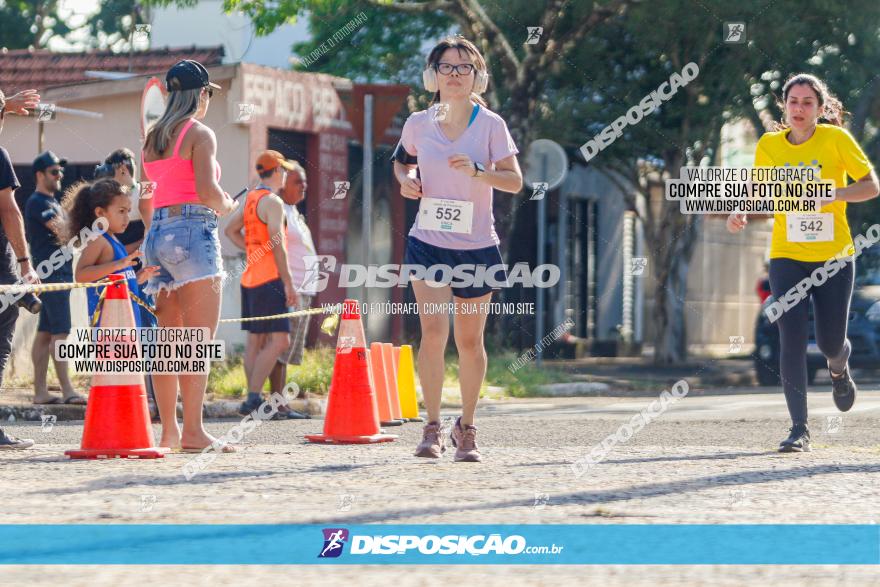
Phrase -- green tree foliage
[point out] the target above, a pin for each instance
(26, 23)
(112, 25)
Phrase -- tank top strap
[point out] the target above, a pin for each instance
(183, 131)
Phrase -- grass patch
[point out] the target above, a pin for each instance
(314, 374)
(316, 370)
(523, 383)
(227, 378)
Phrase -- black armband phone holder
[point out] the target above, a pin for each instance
(401, 156)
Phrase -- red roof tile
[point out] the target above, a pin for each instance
(22, 69)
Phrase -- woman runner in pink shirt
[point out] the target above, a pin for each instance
(451, 157)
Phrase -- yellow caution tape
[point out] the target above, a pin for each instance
(328, 326)
(143, 305)
(46, 287)
(98, 307)
(277, 316)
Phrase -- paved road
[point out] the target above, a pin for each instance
(707, 460)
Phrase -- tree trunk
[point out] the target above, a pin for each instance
(670, 294)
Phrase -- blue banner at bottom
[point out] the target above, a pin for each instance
(584, 544)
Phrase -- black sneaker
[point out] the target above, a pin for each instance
(285, 413)
(248, 406)
(843, 390)
(8, 441)
(797, 441)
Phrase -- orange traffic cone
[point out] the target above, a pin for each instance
(391, 375)
(382, 383)
(351, 408)
(117, 417)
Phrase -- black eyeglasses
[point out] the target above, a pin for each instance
(210, 91)
(460, 69)
(56, 172)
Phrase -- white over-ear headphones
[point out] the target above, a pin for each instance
(429, 78)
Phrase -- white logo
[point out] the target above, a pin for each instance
(345, 344)
(440, 111)
(318, 270)
(734, 32)
(340, 190)
(47, 422)
(540, 189)
(244, 111)
(637, 265)
(147, 502)
(142, 31)
(737, 497)
(541, 500)
(45, 112)
(833, 424)
(736, 343)
(345, 502)
(535, 33)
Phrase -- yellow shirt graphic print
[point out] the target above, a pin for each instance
(838, 155)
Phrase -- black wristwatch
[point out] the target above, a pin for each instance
(479, 169)
(23, 260)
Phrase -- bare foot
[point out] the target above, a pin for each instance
(202, 440)
(170, 438)
(46, 398)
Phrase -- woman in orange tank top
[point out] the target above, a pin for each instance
(179, 156)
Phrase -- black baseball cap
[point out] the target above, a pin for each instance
(187, 75)
(46, 160)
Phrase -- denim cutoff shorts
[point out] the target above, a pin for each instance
(184, 241)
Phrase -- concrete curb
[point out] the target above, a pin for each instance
(582, 388)
(213, 409)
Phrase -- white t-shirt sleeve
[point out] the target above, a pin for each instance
(501, 145)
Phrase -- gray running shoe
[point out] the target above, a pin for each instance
(432, 445)
(8, 441)
(844, 390)
(465, 442)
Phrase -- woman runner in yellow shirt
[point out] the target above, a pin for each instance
(813, 136)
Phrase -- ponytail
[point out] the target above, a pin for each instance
(80, 201)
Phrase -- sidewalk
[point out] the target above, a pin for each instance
(708, 460)
(17, 404)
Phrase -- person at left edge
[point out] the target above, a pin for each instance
(44, 217)
(12, 240)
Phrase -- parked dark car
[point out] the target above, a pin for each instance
(863, 330)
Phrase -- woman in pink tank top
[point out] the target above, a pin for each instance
(179, 156)
(451, 158)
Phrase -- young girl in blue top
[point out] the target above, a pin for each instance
(106, 199)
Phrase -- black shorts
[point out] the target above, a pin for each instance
(264, 300)
(428, 256)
